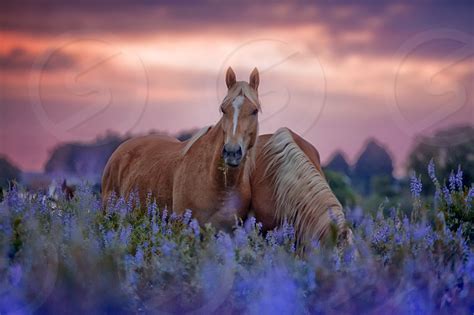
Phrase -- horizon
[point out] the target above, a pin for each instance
(337, 74)
(399, 174)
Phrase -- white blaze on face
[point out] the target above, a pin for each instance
(237, 103)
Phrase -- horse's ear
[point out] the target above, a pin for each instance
(230, 79)
(254, 79)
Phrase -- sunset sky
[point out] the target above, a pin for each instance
(337, 74)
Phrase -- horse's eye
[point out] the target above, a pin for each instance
(222, 110)
(255, 112)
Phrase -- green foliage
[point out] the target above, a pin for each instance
(448, 148)
(340, 185)
(8, 173)
(383, 185)
(459, 213)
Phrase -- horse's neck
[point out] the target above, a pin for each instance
(220, 174)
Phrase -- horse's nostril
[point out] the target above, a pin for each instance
(232, 153)
(238, 154)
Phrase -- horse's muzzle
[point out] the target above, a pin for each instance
(232, 154)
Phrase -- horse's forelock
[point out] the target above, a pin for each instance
(242, 88)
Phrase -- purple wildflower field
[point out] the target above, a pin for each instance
(60, 256)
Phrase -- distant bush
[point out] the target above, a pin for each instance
(449, 148)
(8, 173)
(59, 256)
(341, 186)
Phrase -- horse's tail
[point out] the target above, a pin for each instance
(301, 193)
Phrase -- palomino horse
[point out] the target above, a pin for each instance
(209, 174)
(289, 184)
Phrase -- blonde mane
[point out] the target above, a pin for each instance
(195, 138)
(302, 194)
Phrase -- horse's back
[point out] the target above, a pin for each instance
(263, 202)
(143, 164)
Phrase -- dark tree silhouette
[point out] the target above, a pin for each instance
(339, 164)
(8, 172)
(82, 159)
(374, 161)
(88, 159)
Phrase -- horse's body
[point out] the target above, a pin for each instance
(195, 180)
(209, 174)
(223, 172)
(288, 183)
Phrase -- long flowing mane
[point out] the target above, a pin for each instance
(302, 194)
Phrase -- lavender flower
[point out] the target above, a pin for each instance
(151, 259)
(381, 235)
(452, 182)
(469, 197)
(187, 216)
(420, 232)
(152, 209)
(447, 195)
(240, 237)
(194, 225)
(164, 217)
(288, 231)
(109, 238)
(167, 247)
(415, 186)
(139, 257)
(225, 246)
(173, 216)
(458, 178)
(270, 239)
(432, 172)
(249, 225)
(15, 274)
(155, 229)
(125, 235)
(120, 207)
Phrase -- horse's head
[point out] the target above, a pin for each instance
(239, 117)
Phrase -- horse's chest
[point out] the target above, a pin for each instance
(229, 199)
(233, 201)
(229, 204)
